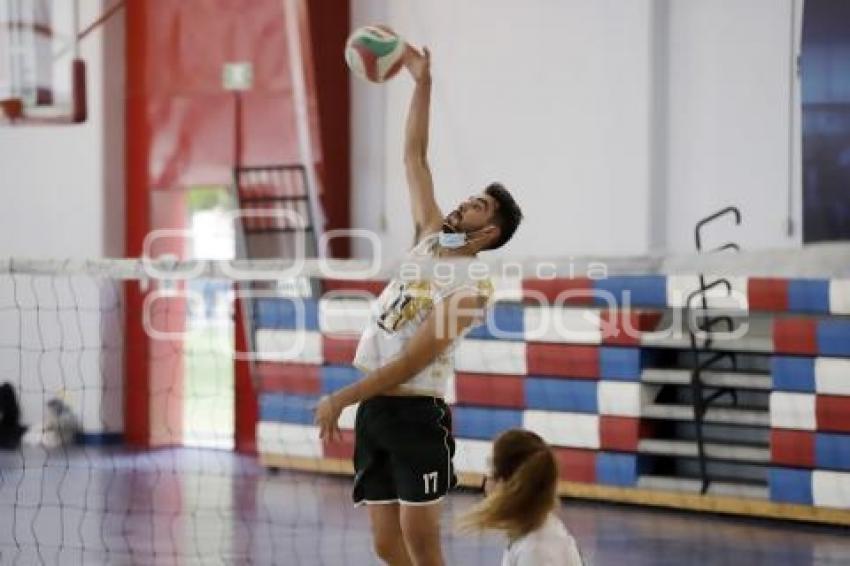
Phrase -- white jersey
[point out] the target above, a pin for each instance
(398, 312)
(549, 545)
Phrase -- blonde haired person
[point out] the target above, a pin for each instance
(521, 501)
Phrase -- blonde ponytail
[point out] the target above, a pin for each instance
(528, 476)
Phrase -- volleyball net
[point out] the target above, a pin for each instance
(714, 384)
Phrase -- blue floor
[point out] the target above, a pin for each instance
(182, 507)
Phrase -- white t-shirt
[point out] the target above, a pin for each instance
(549, 545)
(398, 312)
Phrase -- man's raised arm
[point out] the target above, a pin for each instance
(427, 216)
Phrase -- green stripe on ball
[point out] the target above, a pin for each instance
(379, 47)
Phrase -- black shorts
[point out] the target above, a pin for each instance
(403, 451)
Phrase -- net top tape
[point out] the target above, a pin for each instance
(831, 261)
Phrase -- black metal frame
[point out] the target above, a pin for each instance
(249, 314)
(704, 325)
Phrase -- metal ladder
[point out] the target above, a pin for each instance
(277, 216)
(277, 207)
(701, 340)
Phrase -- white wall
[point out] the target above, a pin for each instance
(617, 123)
(550, 99)
(63, 197)
(729, 122)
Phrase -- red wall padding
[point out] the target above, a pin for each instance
(792, 447)
(373, 288)
(623, 328)
(340, 448)
(833, 413)
(338, 351)
(795, 336)
(576, 465)
(577, 291)
(621, 433)
(767, 294)
(490, 390)
(562, 360)
(301, 379)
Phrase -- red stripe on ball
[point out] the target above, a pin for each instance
(370, 62)
(391, 72)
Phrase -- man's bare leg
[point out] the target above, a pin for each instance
(420, 525)
(387, 536)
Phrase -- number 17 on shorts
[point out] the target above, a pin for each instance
(431, 480)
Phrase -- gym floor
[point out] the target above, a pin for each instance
(183, 506)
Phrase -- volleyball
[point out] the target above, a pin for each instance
(374, 53)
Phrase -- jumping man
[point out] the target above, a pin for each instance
(403, 441)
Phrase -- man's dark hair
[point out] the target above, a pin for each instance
(507, 215)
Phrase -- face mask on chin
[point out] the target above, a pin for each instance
(451, 240)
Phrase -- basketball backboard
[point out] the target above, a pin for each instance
(41, 77)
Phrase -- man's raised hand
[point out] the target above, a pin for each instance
(418, 63)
